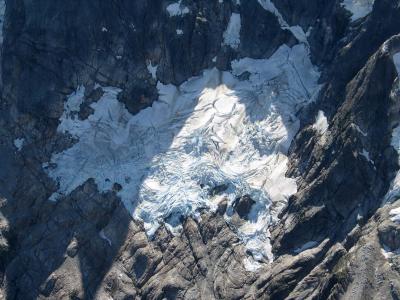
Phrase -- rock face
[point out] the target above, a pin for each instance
(243, 206)
(337, 236)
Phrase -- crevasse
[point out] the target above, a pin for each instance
(213, 130)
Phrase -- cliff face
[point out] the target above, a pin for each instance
(199, 149)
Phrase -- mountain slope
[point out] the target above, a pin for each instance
(199, 149)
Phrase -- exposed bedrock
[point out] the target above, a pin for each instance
(336, 237)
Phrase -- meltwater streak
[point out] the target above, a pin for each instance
(213, 130)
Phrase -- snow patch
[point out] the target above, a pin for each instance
(104, 237)
(321, 127)
(210, 131)
(358, 8)
(395, 215)
(359, 129)
(152, 69)
(365, 154)
(297, 31)
(306, 246)
(251, 265)
(321, 123)
(232, 33)
(177, 9)
(19, 143)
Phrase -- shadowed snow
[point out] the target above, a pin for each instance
(19, 143)
(306, 246)
(358, 8)
(296, 30)
(177, 9)
(232, 33)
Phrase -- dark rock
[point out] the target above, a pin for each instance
(243, 206)
(389, 235)
(218, 189)
(222, 206)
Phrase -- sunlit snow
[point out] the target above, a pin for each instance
(321, 123)
(358, 8)
(212, 130)
(321, 127)
(395, 215)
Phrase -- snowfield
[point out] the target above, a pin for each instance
(213, 130)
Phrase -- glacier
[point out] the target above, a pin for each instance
(230, 129)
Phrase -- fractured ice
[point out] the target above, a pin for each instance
(213, 130)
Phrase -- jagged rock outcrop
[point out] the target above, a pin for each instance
(335, 239)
